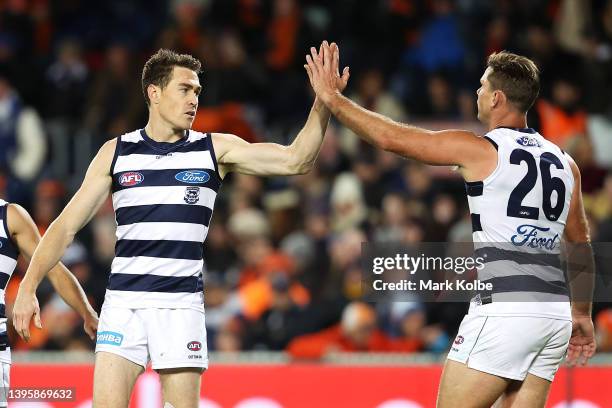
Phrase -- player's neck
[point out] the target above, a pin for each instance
(507, 119)
(161, 131)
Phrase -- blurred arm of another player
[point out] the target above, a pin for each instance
(446, 147)
(26, 236)
(81, 208)
(264, 159)
(581, 276)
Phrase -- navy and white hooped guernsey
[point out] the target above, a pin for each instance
(518, 216)
(163, 196)
(8, 261)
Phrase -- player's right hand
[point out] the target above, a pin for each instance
(90, 324)
(582, 343)
(26, 306)
(323, 71)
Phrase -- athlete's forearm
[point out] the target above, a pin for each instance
(581, 276)
(380, 130)
(47, 255)
(305, 148)
(69, 288)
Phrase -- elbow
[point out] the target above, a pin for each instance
(59, 229)
(298, 163)
(301, 168)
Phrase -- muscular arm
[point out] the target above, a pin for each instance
(25, 234)
(581, 266)
(581, 274)
(78, 212)
(264, 159)
(61, 232)
(445, 147)
(474, 155)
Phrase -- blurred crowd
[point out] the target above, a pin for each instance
(282, 255)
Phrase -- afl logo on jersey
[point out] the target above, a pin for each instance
(131, 178)
(192, 176)
(194, 346)
(528, 141)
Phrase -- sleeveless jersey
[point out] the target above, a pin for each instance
(163, 196)
(8, 261)
(518, 218)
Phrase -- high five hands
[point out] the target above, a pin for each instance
(323, 71)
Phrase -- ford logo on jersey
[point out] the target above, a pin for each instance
(528, 141)
(131, 178)
(109, 337)
(528, 235)
(192, 176)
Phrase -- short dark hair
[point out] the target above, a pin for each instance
(516, 76)
(158, 69)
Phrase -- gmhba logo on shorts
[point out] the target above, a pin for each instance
(194, 346)
(131, 178)
(110, 338)
(192, 176)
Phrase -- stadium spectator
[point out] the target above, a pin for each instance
(563, 117)
(603, 328)
(371, 93)
(357, 331)
(115, 102)
(74, 64)
(22, 139)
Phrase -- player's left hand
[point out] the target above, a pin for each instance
(582, 343)
(90, 324)
(323, 71)
(25, 307)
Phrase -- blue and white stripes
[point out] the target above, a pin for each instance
(8, 261)
(163, 196)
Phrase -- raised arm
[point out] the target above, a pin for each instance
(78, 212)
(266, 159)
(25, 234)
(263, 159)
(446, 147)
(581, 275)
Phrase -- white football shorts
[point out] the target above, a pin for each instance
(512, 346)
(169, 338)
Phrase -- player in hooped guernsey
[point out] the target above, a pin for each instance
(163, 196)
(163, 180)
(19, 235)
(521, 239)
(524, 197)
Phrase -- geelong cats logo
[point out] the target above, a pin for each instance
(192, 195)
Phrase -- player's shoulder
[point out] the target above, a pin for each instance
(108, 152)
(110, 146)
(525, 137)
(572, 164)
(134, 136)
(17, 217)
(194, 135)
(226, 142)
